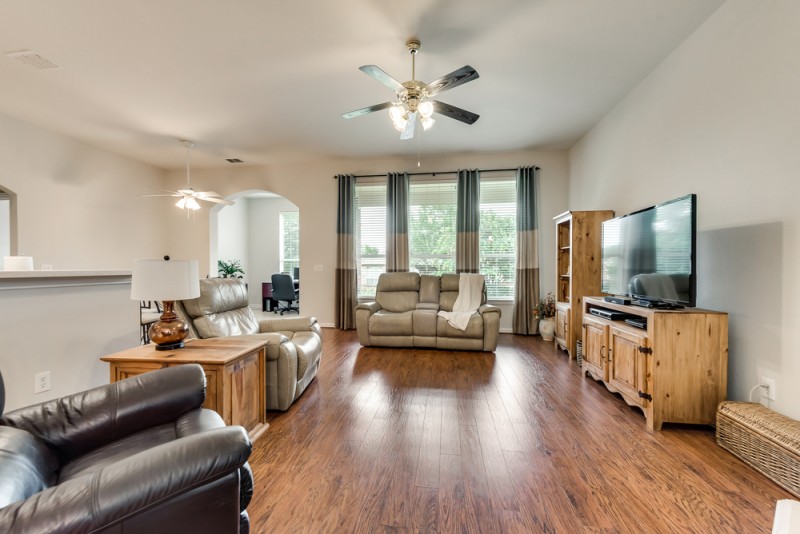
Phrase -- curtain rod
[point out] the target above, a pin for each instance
(432, 173)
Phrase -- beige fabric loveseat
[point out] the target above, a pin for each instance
(295, 344)
(404, 314)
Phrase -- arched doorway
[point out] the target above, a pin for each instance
(262, 231)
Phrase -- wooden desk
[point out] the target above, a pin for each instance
(235, 375)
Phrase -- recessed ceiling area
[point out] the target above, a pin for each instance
(267, 82)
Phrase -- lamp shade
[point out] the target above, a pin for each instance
(165, 280)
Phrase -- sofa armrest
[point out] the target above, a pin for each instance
(370, 307)
(491, 326)
(363, 312)
(489, 308)
(76, 424)
(290, 324)
(128, 487)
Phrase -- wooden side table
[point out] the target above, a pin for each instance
(235, 375)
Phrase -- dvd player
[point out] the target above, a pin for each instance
(611, 315)
(638, 322)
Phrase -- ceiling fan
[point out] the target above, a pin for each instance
(414, 97)
(188, 197)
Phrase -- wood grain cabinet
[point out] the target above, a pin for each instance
(675, 370)
(578, 240)
(234, 369)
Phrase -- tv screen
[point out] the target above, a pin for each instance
(650, 254)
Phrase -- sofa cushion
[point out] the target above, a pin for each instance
(27, 466)
(429, 289)
(230, 323)
(190, 423)
(449, 291)
(474, 328)
(424, 323)
(385, 323)
(221, 309)
(398, 292)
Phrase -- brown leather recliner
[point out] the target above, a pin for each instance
(139, 455)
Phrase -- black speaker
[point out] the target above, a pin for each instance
(618, 300)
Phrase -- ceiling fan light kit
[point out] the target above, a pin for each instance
(414, 97)
(188, 197)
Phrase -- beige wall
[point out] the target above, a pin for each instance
(720, 118)
(79, 207)
(311, 187)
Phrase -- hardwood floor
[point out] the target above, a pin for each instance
(402, 440)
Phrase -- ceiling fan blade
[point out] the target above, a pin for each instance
(454, 113)
(454, 79)
(163, 195)
(205, 194)
(411, 126)
(218, 200)
(381, 76)
(369, 109)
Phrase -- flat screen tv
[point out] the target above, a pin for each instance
(649, 255)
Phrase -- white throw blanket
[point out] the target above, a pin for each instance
(470, 291)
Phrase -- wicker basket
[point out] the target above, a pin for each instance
(579, 353)
(766, 440)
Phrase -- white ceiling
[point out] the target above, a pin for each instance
(267, 81)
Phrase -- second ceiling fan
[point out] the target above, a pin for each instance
(414, 97)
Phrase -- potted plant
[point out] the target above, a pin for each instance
(545, 312)
(230, 269)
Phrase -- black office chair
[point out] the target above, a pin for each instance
(283, 291)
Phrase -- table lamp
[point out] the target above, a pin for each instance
(166, 281)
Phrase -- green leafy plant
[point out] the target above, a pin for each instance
(546, 307)
(230, 269)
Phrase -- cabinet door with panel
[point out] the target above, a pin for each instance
(628, 369)
(562, 326)
(595, 348)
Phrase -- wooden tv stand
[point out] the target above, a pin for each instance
(675, 370)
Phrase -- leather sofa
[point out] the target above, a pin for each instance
(294, 344)
(404, 314)
(137, 456)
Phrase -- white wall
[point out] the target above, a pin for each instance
(310, 186)
(78, 208)
(233, 236)
(720, 118)
(265, 254)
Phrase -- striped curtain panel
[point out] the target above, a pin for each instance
(396, 222)
(526, 292)
(345, 282)
(468, 216)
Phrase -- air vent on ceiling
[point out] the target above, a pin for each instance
(233, 160)
(32, 59)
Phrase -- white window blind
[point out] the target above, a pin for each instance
(290, 241)
(370, 235)
(432, 227)
(498, 236)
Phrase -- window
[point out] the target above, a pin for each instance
(370, 235)
(290, 241)
(432, 227)
(432, 232)
(498, 236)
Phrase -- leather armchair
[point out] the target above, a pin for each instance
(139, 455)
(294, 345)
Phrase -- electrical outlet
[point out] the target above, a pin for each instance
(41, 382)
(769, 391)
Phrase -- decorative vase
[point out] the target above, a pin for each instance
(547, 328)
